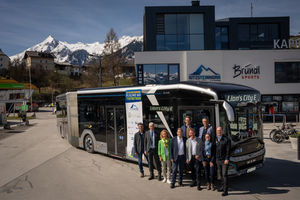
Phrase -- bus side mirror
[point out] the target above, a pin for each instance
(229, 111)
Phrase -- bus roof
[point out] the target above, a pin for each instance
(214, 89)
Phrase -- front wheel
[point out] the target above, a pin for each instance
(277, 137)
(272, 133)
(89, 144)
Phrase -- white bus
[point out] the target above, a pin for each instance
(105, 119)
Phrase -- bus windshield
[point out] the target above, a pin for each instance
(246, 124)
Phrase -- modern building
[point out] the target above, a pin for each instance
(255, 52)
(172, 28)
(4, 60)
(251, 32)
(43, 60)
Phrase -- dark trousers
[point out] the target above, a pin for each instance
(140, 161)
(154, 160)
(222, 170)
(179, 163)
(209, 172)
(194, 165)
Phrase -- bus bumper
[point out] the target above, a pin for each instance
(234, 172)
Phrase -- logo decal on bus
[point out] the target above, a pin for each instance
(205, 73)
(134, 107)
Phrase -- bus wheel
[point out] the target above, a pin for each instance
(88, 144)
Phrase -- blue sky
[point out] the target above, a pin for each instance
(24, 23)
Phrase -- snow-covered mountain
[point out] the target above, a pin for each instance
(79, 53)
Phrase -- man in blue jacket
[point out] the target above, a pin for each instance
(178, 156)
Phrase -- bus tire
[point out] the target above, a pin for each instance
(88, 143)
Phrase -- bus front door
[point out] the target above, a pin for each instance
(115, 131)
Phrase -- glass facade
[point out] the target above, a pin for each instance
(258, 32)
(222, 38)
(287, 72)
(160, 73)
(180, 32)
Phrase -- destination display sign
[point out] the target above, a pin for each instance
(242, 98)
(162, 108)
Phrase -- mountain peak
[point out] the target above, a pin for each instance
(49, 39)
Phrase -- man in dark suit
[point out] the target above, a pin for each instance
(178, 156)
(222, 159)
(187, 126)
(138, 144)
(151, 147)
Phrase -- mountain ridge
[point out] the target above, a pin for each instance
(80, 53)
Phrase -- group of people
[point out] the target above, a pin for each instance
(188, 149)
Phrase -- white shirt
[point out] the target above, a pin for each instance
(194, 145)
(180, 146)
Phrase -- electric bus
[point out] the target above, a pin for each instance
(105, 119)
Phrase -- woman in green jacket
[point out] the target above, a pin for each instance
(164, 150)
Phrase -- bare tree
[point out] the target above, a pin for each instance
(112, 57)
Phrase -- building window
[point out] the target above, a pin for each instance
(287, 72)
(258, 32)
(222, 38)
(179, 32)
(160, 73)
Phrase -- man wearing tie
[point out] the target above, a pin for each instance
(178, 156)
(151, 147)
(206, 128)
(187, 126)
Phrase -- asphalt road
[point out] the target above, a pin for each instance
(36, 164)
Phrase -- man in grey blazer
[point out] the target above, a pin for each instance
(206, 128)
(193, 157)
(151, 147)
(138, 143)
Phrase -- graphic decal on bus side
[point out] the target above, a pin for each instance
(134, 115)
(154, 102)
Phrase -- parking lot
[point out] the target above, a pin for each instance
(36, 163)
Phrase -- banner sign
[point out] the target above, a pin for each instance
(134, 115)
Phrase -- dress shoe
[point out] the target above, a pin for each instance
(172, 185)
(199, 187)
(150, 178)
(225, 193)
(208, 186)
(213, 187)
(192, 184)
(220, 189)
(159, 178)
